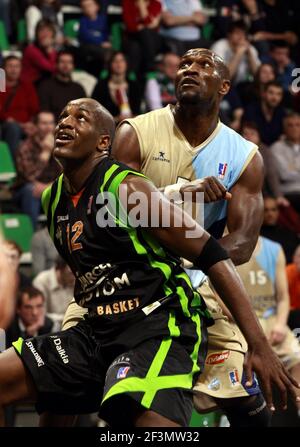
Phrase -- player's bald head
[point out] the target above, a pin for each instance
(218, 61)
(104, 121)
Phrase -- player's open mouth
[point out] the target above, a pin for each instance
(63, 138)
(188, 81)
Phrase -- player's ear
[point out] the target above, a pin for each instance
(225, 87)
(103, 142)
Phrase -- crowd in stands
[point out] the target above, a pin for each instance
(125, 54)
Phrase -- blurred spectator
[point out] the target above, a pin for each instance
(280, 58)
(39, 58)
(57, 285)
(118, 93)
(279, 23)
(272, 230)
(160, 90)
(254, 90)
(43, 251)
(141, 19)
(268, 113)
(181, 25)
(293, 274)
(247, 11)
(56, 92)
(13, 255)
(271, 183)
(286, 152)
(36, 168)
(30, 319)
(44, 9)
(16, 111)
(95, 47)
(237, 52)
(231, 110)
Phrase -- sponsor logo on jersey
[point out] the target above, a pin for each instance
(214, 385)
(234, 377)
(222, 170)
(118, 307)
(122, 372)
(97, 282)
(62, 218)
(60, 350)
(161, 157)
(36, 355)
(215, 359)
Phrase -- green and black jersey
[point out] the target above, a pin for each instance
(122, 274)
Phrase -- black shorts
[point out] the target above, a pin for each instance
(74, 375)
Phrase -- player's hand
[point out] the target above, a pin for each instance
(271, 373)
(278, 334)
(211, 187)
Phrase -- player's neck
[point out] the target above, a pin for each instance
(75, 174)
(196, 124)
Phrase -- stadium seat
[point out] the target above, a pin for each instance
(18, 228)
(71, 28)
(207, 31)
(104, 75)
(116, 35)
(204, 420)
(22, 31)
(7, 168)
(4, 44)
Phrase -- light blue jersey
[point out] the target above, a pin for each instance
(226, 156)
(168, 158)
(259, 277)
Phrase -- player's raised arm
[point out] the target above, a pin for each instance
(7, 289)
(209, 256)
(245, 213)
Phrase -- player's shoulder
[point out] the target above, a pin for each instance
(235, 138)
(50, 193)
(152, 116)
(116, 170)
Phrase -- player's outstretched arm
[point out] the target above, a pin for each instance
(203, 251)
(7, 289)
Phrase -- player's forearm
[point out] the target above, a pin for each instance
(230, 288)
(7, 290)
(238, 246)
(283, 309)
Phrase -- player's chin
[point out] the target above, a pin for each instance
(63, 150)
(188, 97)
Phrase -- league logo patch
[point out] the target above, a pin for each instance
(222, 170)
(122, 372)
(234, 377)
(214, 385)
